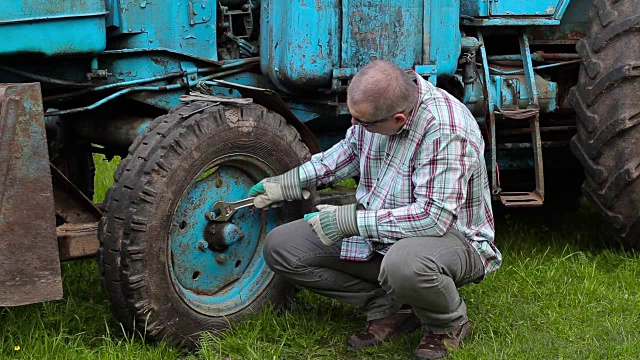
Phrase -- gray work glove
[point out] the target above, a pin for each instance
(333, 223)
(271, 191)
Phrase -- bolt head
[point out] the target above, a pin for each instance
(221, 258)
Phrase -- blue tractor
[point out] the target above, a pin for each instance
(203, 98)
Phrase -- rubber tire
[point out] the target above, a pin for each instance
(134, 245)
(607, 102)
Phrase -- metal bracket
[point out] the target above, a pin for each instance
(520, 198)
(427, 71)
(199, 12)
(247, 20)
(340, 79)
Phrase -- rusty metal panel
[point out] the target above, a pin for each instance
(382, 29)
(300, 43)
(29, 261)
(177, 25)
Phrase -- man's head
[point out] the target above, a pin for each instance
(380, 97)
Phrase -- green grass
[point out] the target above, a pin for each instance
(561, 294)
(104, 179)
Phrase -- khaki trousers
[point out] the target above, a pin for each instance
(423, 272)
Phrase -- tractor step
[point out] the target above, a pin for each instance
(521, 199)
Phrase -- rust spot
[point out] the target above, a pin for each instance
(576, 35)
(368, 39)
(160, 62)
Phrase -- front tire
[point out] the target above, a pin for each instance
(160, 272)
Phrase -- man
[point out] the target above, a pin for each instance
(423, 225)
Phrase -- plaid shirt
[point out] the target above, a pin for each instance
(423, 181)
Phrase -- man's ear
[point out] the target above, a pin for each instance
(400, 118)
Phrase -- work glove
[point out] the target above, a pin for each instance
(273, 190)
(333, 223)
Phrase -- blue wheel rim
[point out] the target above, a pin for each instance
(221, 282)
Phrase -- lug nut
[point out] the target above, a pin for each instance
(221, 258)
(202, 245)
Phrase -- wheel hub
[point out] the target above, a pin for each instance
(217, 267)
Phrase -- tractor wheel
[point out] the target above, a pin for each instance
(168, 271)
(607, 101)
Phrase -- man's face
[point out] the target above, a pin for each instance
(389, 125)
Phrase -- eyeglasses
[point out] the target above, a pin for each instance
(370, 123)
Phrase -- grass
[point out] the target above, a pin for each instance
(104, 179)
(560, 294)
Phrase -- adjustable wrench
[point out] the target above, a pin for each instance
(222, 210)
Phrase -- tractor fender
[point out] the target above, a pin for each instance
(272, 101)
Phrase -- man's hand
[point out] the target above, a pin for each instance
(333, 223)
(273, 190)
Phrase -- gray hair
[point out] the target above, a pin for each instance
(384, 88)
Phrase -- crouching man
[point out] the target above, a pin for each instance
(423, 224)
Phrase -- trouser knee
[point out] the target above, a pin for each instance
(403, 274)
(274, 250)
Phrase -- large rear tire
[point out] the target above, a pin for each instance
(607, 101)
(160, 271)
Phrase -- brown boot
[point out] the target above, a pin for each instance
(437, 346)
(379, 330)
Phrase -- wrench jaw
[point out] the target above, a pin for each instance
(223, 211)
(220, 212)
(226, 212)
